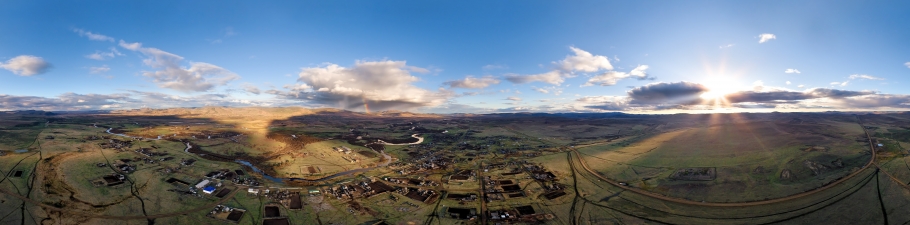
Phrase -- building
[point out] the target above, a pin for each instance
(208, 190)
(202, 184)
(253, 191)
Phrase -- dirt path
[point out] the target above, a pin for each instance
(93, 215)
(734, 204)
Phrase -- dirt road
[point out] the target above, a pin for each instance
(137, 217)
(732, 204)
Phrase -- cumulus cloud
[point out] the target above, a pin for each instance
(791, 71)
(92, 36)
(198, 77)
(766, 37)
(513, 98)
(99, 69)
(864, 76)
(99, 55)
(379, 85)
(667, 93)
(581, 61)
(907, 64)
(788, 82)
(584, 61)
(610, 78)
(472, 82)
(26, 65)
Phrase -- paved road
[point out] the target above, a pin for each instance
(732, 204)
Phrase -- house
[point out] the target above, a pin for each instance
(253, 191)
(202, 184)
(208, 190)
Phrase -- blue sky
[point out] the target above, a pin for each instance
(443, 57)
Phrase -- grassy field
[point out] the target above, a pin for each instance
(749, 159)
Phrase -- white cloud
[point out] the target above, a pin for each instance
(801, 86)
(584, 61)
(198, 77)
(726, 46)
(907, 64)
(864, 76)
(130, 46)
(99, 55)
(766, 37)
(581, 61)
(26, 65)
(472, 82)
(513, 98)
(788, 82)
(758, 85)
(791, 71)
(610, 78)
(92, 36)
(839, 83)
(382, 85)
(99, 69)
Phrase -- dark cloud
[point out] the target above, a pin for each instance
(879, 100)
(667, 93)
(783, 96)
(609, 106)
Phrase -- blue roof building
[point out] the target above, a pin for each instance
(208, 190)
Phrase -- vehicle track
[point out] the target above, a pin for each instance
(734, 204)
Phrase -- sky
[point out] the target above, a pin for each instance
(457, 56)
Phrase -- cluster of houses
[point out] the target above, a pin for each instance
(116, 144)
(361, 189)
(412, 182)
(227, 213)
(342, 149)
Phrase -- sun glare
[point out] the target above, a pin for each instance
(718, 87)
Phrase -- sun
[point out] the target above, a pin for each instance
(719, 87)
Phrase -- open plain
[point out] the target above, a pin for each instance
(309, 166)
